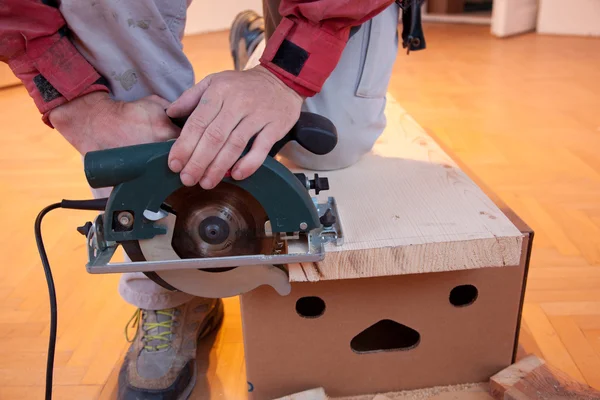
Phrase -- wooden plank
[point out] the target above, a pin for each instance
(508, 377)
(471, 391)
(458, 392)
(428, 217)
(533, 379)
(312, 394)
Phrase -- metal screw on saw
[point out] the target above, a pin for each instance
(303, 225)
(125, 219)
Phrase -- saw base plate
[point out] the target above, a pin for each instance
(308, 247)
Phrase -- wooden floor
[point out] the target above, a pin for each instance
(523, 114)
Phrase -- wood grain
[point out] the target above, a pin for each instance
(477, 391)
(474, 391)
(312, 394)
(427, 216)
(533, 379)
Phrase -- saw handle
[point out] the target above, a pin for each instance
(314, 132)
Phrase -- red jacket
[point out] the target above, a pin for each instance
(303, 50)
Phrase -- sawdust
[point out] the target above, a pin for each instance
(424, 394)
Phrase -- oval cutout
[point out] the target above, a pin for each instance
(463, 295)
(310, 307)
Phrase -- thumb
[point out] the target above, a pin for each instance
(187, 102)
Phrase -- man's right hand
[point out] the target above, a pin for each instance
(96, 122)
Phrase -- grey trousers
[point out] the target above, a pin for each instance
(137, 46)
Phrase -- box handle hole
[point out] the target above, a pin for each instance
(310, 307)
(463, 295)
(385, 335)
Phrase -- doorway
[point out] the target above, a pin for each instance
(458, 11)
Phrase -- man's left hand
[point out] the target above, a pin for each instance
(227, 110)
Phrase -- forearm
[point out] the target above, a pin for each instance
(308, 42)
(35, 44)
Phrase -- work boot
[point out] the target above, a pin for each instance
(247, 31)
(161, 361)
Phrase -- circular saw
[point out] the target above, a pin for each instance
(211, 243)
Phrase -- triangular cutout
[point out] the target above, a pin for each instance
(385, 335)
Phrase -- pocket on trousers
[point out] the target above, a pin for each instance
(378, 53)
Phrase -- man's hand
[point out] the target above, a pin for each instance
(227, 110)
(96, 122)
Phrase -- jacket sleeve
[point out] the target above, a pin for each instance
(35, 45)
(308, 42)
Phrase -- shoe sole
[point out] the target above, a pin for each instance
(236, 33)
(211, 322)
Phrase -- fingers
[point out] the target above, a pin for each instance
(209, 145)
(190, 99)
(184, 146)
(231, 151)
(256, 156)
(225, 110)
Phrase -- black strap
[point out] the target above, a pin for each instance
(413, 37)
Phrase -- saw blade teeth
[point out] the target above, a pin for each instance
(221, 222)
(224, 221)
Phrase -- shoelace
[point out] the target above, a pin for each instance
(147, 326)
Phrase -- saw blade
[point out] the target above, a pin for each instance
(224, 221)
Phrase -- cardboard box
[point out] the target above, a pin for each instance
(348, 349)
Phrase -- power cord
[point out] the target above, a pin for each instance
(93, 205)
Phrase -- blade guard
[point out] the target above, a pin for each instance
(142, 180)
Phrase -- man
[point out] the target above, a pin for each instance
(109, 73)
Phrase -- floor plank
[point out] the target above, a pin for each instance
(582, 352)
(552, 348)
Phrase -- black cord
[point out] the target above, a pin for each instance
(52, 293)
(95, 204)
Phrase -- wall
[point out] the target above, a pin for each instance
(573, 17)
(209, 16)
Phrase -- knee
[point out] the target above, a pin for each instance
(356, 136)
